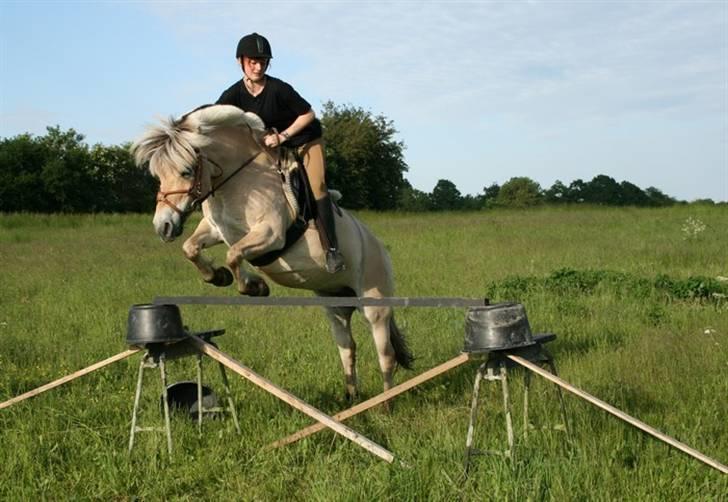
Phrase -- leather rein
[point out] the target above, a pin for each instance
(195, 190)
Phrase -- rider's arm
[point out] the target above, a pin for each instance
(298, 125)
(273, 140)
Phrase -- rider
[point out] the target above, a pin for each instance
(293, 123)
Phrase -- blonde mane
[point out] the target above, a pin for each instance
(173, 143)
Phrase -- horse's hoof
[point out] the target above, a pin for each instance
(256, 288)
(263, 289)
(222, 278)
(351, 397)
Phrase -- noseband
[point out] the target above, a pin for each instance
(195, 189)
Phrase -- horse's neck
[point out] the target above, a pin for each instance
(251, 195)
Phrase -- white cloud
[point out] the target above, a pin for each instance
(539, 70)
(529, 87)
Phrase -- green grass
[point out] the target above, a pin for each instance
(642, 323)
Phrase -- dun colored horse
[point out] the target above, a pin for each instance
(214, 157)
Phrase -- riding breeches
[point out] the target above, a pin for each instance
(312, 154)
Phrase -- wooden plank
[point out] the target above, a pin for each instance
(290, 399)
(68, 378)
(374, 401)
(621, 415)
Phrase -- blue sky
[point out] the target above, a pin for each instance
(479, 91)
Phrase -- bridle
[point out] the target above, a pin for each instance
(195, 189)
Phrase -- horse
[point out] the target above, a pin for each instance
(214, 157)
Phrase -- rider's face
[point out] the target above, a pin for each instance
(254, 68)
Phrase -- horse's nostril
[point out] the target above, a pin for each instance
(168, 229)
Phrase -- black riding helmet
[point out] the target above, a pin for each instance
(254, 46)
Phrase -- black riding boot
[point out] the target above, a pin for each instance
(327, 233)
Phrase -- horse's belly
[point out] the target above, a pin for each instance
(303, 267)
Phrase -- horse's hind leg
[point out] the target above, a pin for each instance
(340, 319)
(205, 236)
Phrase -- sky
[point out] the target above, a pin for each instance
(479, 91)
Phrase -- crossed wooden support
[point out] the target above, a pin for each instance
(334, 423)
(323, 420)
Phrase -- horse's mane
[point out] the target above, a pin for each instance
(173, 143)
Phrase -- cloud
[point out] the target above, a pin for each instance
(520, 88)
(548, 76)
(457, 57)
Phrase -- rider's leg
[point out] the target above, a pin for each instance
(315, 162)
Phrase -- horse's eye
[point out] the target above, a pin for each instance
(187, 174)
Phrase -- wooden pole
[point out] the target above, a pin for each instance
(68, 378)
(378, 399)
(290, 399)
(621, 415)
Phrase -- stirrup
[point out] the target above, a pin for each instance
(334, 261)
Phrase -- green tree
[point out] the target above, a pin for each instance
(632, 195)
(363, 158)
(411, 199)
(602, 190)
(473, 202)
(121, 185)
(490, 194)
(702, 202)
(557, 194)
(21, 179)
(65, 172)
(445, 196)
(576, 190)
(657, 198)
(519, 192)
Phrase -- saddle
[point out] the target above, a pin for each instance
(299, 195)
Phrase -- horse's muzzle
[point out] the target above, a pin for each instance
(169, 231)
(168, 225)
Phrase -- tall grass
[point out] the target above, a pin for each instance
(608, 282)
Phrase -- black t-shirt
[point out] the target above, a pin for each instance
(278, 105)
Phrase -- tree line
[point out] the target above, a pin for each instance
(521, 192)
(59, 172)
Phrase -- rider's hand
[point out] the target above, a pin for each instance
(273, 140)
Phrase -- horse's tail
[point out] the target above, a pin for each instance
(401, 351)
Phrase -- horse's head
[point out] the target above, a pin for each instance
(187, 154)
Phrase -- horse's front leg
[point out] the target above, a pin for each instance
(205, 236)
(261, 239)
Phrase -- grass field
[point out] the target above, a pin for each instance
(633, 295)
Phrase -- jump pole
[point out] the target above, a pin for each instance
(378, 399)
(68, 378)
(290, 399)
(621, 415)
(330, 301)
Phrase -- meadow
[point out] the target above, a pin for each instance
(635, 297)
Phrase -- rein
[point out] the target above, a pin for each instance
(195, 190)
